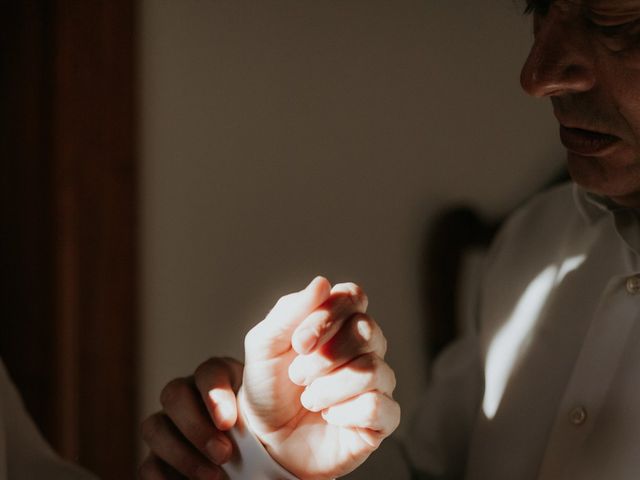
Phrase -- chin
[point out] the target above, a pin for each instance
(621, 182)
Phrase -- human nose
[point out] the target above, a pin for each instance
(560, 60)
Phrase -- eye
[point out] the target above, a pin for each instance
(614, 29)
(612, 26)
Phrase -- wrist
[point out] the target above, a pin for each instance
(251, 420)
(251, 459)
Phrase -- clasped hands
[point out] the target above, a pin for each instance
(315, 390)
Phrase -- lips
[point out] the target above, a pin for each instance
(587, 142)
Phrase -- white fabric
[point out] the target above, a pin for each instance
(557, 332)
(24, 454)
(547, 386)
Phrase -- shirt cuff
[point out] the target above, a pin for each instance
(251, 460)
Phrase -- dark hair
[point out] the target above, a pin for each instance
(537, 6)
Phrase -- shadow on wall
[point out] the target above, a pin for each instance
(455, 242)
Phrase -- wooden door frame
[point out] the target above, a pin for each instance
(70, 224)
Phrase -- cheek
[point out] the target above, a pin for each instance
(624, 80)
(629, 58)
(629, 109)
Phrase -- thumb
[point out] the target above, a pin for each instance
(272, 337)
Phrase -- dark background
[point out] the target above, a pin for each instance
(68, 223)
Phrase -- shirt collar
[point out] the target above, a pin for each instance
(592, 206)
(626, 220)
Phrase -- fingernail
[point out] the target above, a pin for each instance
(218, 450)
(307, 400)
(297, 374)
(223, 410)
(364, 329)
(305, 340)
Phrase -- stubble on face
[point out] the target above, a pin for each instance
(610, 30)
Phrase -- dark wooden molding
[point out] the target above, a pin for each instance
(94, 231)
(26, 251)
(69, 238)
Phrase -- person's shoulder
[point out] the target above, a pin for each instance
(549, 212)
(554, 205)
(542, 222)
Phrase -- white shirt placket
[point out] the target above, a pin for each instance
(591, 380)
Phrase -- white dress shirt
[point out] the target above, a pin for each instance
(546, 385)
(24, 454)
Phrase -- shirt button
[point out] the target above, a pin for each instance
(633, 285)
(578, 416)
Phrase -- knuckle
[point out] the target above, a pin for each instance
(378, 374)
(367, 329)
(283, 301)
(370, 380)
(374, 402)
(393, 381)
(354, 293)
(151, 427)
(208, 370)
(364, 299)
(369, 363)
(174, 391)
(357, 294)
(146, 470)
(371, 418)
(188, 465)
(249, 340)
(353, 288)
(252, 337)
(231, 362)
(397, 414)
(218, 372)
(384, 344)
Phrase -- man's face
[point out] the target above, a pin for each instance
(586, 58)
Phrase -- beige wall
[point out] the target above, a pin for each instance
(284, 139)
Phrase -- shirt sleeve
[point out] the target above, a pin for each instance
(23, 451)
(437, 443)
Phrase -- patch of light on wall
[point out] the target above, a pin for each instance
(508, 344)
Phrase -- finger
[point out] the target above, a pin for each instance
(167, 443)
(358, 336)
(272, 337)
(183, 405)
(218, 380)
(322, 324)
(366, 373)
(372, 411)
(152, 468)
